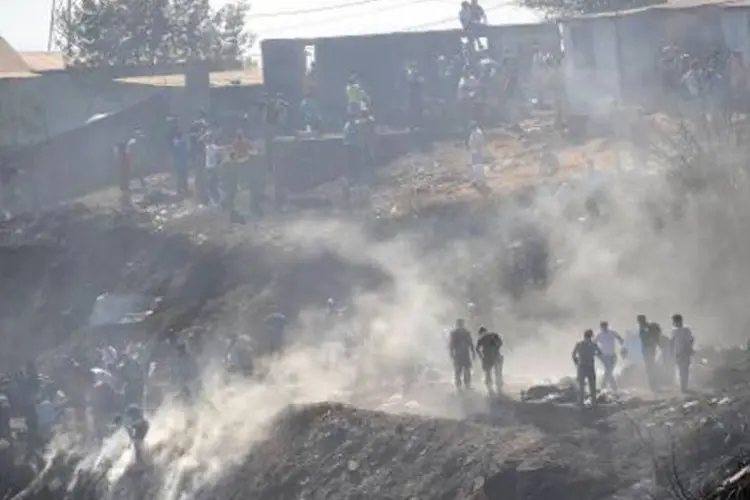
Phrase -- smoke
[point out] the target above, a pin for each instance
(658, 249)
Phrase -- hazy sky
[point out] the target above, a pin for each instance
(25, 23)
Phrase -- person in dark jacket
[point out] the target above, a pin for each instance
(584, 355)
(649, 334)
(488, 349)
(462, 352)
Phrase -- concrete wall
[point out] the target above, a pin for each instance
(380, 61)
(35, 109)
(305, 164)
(80, 161)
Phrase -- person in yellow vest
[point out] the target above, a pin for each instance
(356, 97)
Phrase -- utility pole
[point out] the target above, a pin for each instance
(69, 40)
(51, 34)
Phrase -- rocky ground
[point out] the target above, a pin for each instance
(212, 278)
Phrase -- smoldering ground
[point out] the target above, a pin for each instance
(656, 250)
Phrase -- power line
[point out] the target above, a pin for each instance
(339, 18)
(313, 10)
(432, 24)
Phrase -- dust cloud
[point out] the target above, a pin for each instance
(655, 250)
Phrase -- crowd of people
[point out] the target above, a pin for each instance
(675, 354)
(202, 167)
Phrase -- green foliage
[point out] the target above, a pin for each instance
(150, 32)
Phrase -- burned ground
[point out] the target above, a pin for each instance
(215, 280)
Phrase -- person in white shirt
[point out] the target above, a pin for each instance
(476, 148)
(682, 349)
(607, 340)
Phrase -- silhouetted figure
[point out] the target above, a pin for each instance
(462, 352)
(584, 354)
(649, 335)
(683, 349)
(137, 427)
(488, 350)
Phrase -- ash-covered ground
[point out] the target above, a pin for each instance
(380, 418)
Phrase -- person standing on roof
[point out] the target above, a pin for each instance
(607, 340)
(478, 15)
(649, 335)
(584, 354)
(488, 349)
(683, 349)
(462, 352)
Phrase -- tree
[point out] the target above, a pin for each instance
(232, 40)
(150, 32)
(554, 8)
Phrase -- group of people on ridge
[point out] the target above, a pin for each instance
(463, 351)
(676, 351)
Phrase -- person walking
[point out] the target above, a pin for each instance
(462, 352)
(607, 341)
(649, 335)
(584, 354)
(488, 350)
(683, 348)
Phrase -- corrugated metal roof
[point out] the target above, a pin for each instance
(44, 61)
(252, 76)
